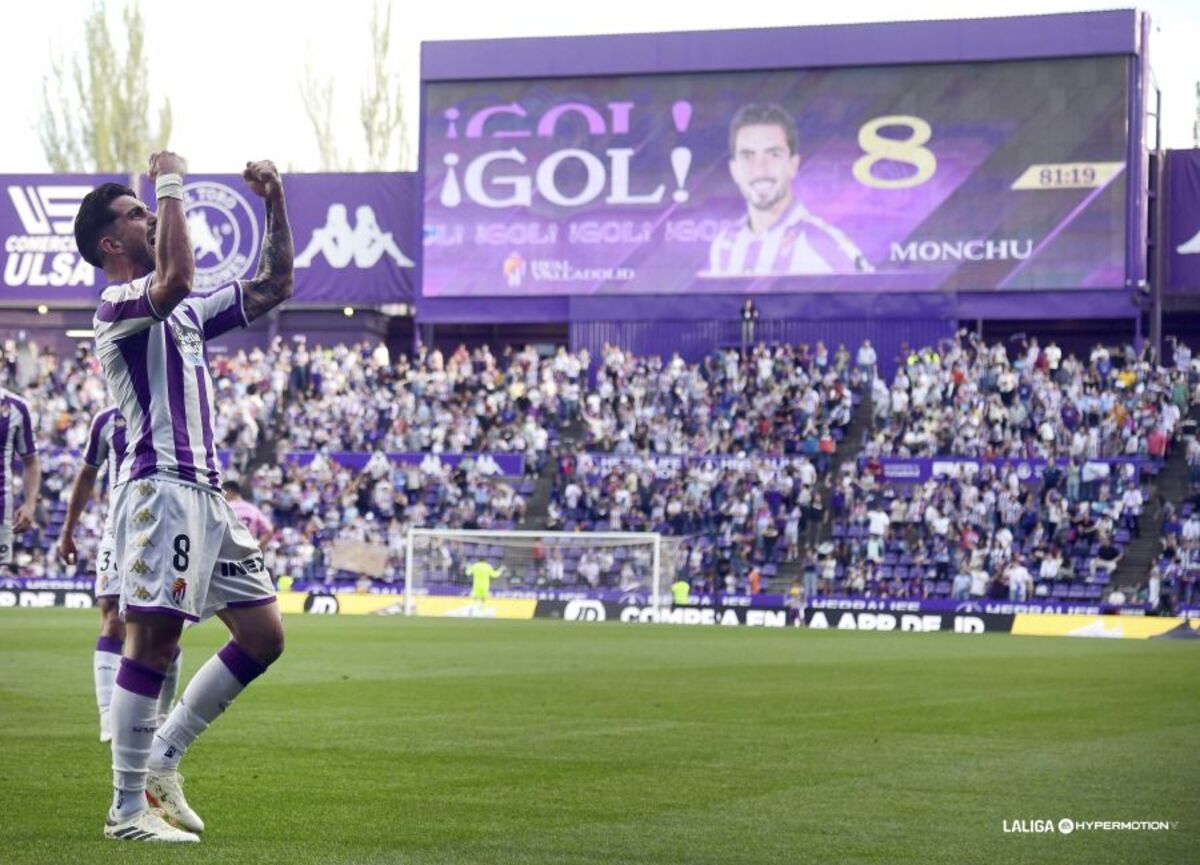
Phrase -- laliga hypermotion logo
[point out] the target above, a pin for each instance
(504, 178)
(45, 254)
(224, 232)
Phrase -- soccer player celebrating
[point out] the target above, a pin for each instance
(181, 552)
(16, 439)
(107, 443)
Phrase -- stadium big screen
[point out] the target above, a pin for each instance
(962, 177)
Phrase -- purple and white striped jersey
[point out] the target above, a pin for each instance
(107, 441)
(157, 370)
(799, 243)
(16, 438)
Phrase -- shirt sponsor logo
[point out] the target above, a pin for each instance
(188, 341)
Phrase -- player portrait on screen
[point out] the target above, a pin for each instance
(778, 235)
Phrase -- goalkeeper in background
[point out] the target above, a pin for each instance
(482, 573)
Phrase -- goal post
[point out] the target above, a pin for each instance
(436, 561)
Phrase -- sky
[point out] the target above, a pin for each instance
(232, 68)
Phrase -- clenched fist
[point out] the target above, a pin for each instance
(166, 162)
(263, 178)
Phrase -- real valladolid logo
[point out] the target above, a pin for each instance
(224, 232)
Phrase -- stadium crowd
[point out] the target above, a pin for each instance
(773, 400)
(969, 398)
(732, 455)
(355, 398)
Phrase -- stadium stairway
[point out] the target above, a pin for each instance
(847, 449)
(571, 439)
(1170, 485)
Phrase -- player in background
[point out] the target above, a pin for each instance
(482, 573)
(16, 439)
(107, 443)
(182, 553)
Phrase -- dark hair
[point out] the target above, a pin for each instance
(763, 114)
(93, 218)
(232, 487)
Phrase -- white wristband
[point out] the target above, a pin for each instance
(169, 186)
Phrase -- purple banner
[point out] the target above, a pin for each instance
(37, 238)
(668, 466)
(917, 470)
(1183, 221)
(355, 234)
(912, 178)
(508, 465)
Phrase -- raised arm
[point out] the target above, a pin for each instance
(81, 492)
(272, 284)
(174, 261)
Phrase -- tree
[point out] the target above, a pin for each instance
(96, 110)
(380, 107)
(317, 96)
(381, 104)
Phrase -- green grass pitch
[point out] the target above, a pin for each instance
(380, 740)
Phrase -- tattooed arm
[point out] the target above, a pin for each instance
(272, 284)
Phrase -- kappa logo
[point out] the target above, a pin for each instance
(140, 567)
(141, 594)
(224, 232)
(144, 540)
(362, 244)
(45, 255)
(178, 590)
(145, 488)
(143, 516)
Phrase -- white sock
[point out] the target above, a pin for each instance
(170, 684)
(105, 661)
(208, 694)
(134, 716)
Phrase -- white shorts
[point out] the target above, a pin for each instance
(6, 545)
(183, 552)
(108, 581)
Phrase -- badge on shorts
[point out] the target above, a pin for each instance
(178, 590)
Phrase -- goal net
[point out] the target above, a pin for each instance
(439, 561)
